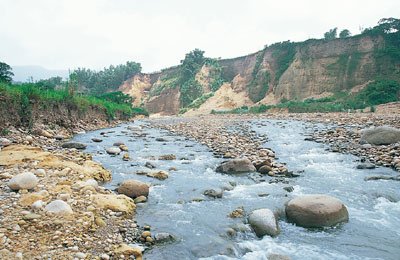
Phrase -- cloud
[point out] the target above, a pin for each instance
(96, 33)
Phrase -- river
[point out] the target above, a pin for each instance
(201, 224)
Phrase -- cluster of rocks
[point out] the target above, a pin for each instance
(229, 138)
(52, 205)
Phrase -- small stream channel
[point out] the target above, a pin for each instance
(200, 224)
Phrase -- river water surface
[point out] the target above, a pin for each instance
(200, 224)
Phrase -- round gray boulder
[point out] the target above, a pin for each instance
(382, 135)
(264, 222)
(59, 207)
(236, 166)
(316, 210)
(26, 180)
(113, 150)
(75, 145)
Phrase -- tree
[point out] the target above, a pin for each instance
(192, 63)
(5, 73)
(344, 33)
(331, 34)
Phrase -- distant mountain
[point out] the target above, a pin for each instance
(27, 73)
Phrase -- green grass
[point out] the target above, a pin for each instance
(24, 95)
(196, 103)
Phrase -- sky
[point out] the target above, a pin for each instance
(67, 34)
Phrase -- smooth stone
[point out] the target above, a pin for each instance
(75, 145)
(214, 193)
(164, 237)
(133, 188)
(316, 210)
(59, 207)
(236, 166)
(26, 180)
(113, 150)
(382, 135)
(264, 222)
(97, 140)
(160, 175)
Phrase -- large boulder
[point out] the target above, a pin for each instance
(119, 203)
(133, 188)
(316, 210)
(236, 166)
(26, 180)
(59, 207)
(382, 135)
(113, 150)
(263, 222)
(75, 145)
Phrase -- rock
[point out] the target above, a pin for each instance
(126, 157)
(119, 203)
(167, 157)
(382, 135)
(80, 255)
(237, 213)
(118, 144)
(263, 222)
(104, 257)
(288, 188)
(236, 166)
(366, 165)
(59, 137)
(26, 180)
(44, 133)
(97, 140)
(278, 257)
(140, 199)
(123, 148)
(40, 173)
(133, 188)
(149, 165)
(31, 216)
(99, 222)
(146, 234)
(5, 142)
(124, 249)
(113, 150)
(161, 175)
(59, 207)
(213, 193)
(164, 237)
(265, 169)
(316, 210)
(75, 145)
(37, 205)
(382, 177)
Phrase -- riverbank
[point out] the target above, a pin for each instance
(58, 209)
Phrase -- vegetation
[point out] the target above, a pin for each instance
(106, 80)
(331, 34)
(344, 34)
(196, 103)
(260, 81)
(5, 73)
(283, 53)
(375, 93)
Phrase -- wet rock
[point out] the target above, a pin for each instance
(289, 188)
(59, 207)
(265, 169)
(366, 165)
(236, 166)
(167, 157)
(237, 213)
(140, 199)
(119, 203)
(133, 188)
(164, 237)
(382, 135)
(118, 144)
(25, 180)
(75, 145)
(278, 257)
(316, 210)
(160, 175)
(123, 148)
(126, 250)
(160, 139)
(382, 177)
(113, 150)
(213, 193)
(59, 137)
(263, 222)
(149, 165)
(126, 157)
(5, 142)
(97, 140)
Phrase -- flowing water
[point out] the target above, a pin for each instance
(200, 224)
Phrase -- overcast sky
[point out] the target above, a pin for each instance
(62, 34)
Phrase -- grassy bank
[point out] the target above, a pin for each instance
(24, 98)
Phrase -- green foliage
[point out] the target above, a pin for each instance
(344, 34)
(284, 54)
(117, 97)
(192, 63)
(215, 74)
(5, 73)
(108, 79)
(196, 103)
(50, 83)
(379, 92)
(331, 34)
(27, 94)
(190, 90)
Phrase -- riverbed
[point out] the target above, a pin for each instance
(201, 224)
